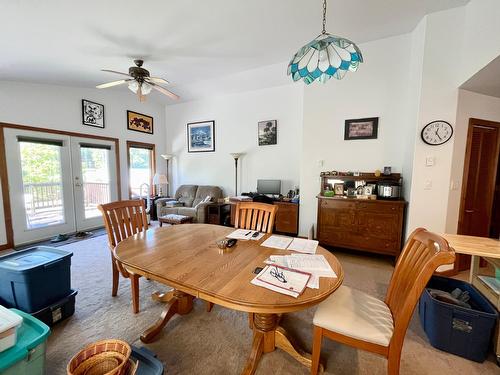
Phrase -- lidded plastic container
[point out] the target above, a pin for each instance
(9, 324)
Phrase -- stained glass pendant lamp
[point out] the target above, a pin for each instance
(325, 57)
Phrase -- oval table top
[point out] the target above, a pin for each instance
(187, 258)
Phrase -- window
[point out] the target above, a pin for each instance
(141, 168)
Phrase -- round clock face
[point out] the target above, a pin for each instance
(436, 133)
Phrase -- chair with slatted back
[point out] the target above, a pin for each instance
(255, 216)
(123, 219)
(357, 319)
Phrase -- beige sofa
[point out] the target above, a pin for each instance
(189, 200)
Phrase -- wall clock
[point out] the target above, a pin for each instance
(436, 133)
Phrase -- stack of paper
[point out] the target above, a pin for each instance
(282, 280)
(316, 265)
(288, 243)
(245, 234)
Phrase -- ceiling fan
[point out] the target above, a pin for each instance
(139, 82)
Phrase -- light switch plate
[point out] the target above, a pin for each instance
(429, 161)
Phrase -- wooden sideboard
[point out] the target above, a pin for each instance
(368, 225)
(287, 217)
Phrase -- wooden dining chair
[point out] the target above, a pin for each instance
(255, 216)
(357, 319)
(123, 219)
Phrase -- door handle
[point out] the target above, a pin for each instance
(469, 211)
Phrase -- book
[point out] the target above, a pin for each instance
(282, 280)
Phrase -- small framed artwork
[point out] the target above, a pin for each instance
(363, 128)
(92, 114)
(368, 190)
(338, 189)
(201, 136)
(139, 122)
(268, 132)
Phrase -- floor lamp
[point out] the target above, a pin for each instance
(167, 157)
(236, 156)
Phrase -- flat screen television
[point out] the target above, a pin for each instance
(272, 187)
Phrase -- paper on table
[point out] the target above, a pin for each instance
(316, 263)
(303, 246)
(258, 237)
(277, 242)
(241, 234)
(317, 268)
(257, 282)
(295, 283)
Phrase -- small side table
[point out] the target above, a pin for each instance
(218, 212)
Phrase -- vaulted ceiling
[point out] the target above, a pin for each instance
(184, 41)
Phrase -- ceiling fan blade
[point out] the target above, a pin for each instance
(157, 80)
(164, 91)
(111, 84)
(114, 71)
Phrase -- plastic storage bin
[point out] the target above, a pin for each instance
(27, 357)
(9, 324)
(34, 278)
(454, 329)
(148, 363)
(58, 311)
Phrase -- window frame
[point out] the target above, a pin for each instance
(152, 165)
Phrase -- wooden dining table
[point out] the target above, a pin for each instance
(186, 258)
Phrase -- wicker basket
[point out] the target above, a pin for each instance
(106, 357)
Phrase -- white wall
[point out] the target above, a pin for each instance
(378, 89)
(236, 117)
(458, 43)
(470, 105)
(59, 107)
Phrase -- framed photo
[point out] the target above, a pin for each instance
(368, 190)
(363, 128)
(92, 114)
(338, 189)
(268, 132)
(139, 122)
(201, 136)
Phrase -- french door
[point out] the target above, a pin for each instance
(56, 182)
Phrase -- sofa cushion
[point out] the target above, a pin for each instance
(214, 192)
(187, 211)
(186, 194)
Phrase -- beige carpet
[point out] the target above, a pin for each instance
(219, 342)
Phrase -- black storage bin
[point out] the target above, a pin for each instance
(58, 311)
(454, 329)
(34, 278)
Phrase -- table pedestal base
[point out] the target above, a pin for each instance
(178, 303)
(268, 336)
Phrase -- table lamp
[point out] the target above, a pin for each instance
(160, 179)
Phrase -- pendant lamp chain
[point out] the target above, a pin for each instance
(324, 17)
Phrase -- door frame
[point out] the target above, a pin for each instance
(465, 174)
(5, 178)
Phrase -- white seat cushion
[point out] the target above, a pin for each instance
(356, 314)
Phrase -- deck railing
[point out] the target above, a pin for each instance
(50, 195)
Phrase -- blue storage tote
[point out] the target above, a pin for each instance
(27, 357)
(148, 363)
(34, 278)
(455, 329)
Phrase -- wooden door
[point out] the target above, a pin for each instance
(478, 189)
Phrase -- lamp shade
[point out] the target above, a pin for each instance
(236, 155)
(160, 179)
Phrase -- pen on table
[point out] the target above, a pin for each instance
(248, 233)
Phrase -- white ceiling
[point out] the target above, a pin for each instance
(486, 81)
(185, 41)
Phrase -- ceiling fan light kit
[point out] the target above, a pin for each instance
(325, 57)
(140, 82)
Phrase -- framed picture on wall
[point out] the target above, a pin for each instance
(268, 132)
(139, 122)
(201, 136)
(363, 128)
(92, 114)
